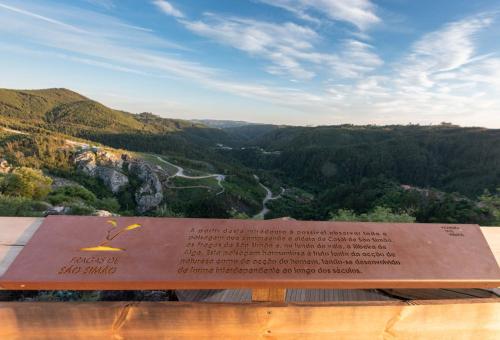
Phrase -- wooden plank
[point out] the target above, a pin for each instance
(292, 295)
(269, 295)
(492, 236)
(433, 294)
(419, 320)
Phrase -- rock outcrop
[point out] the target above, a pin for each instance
(104, 213)
(57, 210)
(150, 193)
(86, 162)
(113, 179)
(109, 166)
(58, 182)
(109, 159)
(104, 165)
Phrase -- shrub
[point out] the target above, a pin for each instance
(21, 206)
(165, 211)
(26, 182)
(108, 203)
(71, 194)
(80, 209)
(379, 214)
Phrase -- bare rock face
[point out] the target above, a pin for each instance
(86, 162)
(108, 167)
(58, 182)
(109, 159)
(57, 210)
(4, 166)
(150, 193)
(104, 213)
(113, 179)
(104, 165)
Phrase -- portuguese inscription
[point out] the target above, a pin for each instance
(453, 231)
(90, 265)
(250, 251)
(70, 252)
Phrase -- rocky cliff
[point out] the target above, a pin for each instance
(114, 171)
(150, 193)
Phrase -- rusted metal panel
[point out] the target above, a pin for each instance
(69, 252)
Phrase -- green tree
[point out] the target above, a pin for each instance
(165, 211)
(71, 194)
(21, 206)
(238, 215)
(492, 203)
(378, 214)
(108, 203)
(344, 215)
(26, 182)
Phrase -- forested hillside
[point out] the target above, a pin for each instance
(361, 167)
(439, 173)
(465, 160)
(64, 111)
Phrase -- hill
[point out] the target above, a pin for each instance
(64, 111)
(33, 104)
(439, 173)
(362, 167)
(450, 158)
(221, 124)
(57, 109)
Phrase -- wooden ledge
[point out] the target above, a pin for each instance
(396, 320)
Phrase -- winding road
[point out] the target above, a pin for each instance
(180, 173)
(269, 197)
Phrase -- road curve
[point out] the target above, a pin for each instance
(269, 197)
(180, 173)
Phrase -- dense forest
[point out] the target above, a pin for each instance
(442, 173)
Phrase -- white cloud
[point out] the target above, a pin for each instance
(356, 60)
(274, 42)
(167, 8)
(103, 38)
(40, 17)
(360, 13)
(289, 47)
(125, 49)
(442, 77)
(107, 4)
(444, 50)
(139, 28)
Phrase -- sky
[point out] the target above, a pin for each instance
(296, 62)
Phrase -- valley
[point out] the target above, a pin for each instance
(269, 197)
(129, 164)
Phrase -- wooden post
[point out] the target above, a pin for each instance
(269, 295)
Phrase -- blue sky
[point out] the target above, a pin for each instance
(299, 62)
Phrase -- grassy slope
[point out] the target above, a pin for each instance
(33, 104)
(62, 109)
